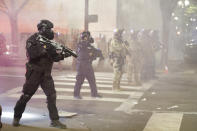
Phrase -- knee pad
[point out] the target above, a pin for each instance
(51, 98)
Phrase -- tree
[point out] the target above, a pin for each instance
(11, 9)
(167, 7)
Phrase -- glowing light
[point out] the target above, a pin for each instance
(176, 18)
(196, 27)
(25, 115)
(192, 19)
(178, 32)
(180, 3)
(176, 27)
(187, 3)
(173, 14)
(187, 24)
(7, 53)
(115, 30)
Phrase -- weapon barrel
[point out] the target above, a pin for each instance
(71, 52)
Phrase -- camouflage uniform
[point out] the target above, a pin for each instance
(135, 62)
(118, 52)
(156, 45)
(148, 56)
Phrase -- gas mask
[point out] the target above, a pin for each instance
(47, 32)
(45, 29)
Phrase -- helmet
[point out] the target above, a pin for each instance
(85, 34)
(118, 33)
(134, 34)
(44, 23)
(44, 28)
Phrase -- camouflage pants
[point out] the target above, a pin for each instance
(134, 69)
(130, 72)
(118, 71)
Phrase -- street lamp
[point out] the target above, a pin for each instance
(183, 4)
(176, 18)
(180, 3)
(187, 3)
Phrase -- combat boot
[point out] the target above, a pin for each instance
(16, 122)
(58, 124)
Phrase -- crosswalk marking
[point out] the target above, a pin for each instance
(127, 106)
(164, 122)
(99, 85)
(99, 77)
(64, 85)
(97, 81)
(63, 97)
(134, 94)
(158, 121)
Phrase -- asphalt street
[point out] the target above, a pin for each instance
(164, 104)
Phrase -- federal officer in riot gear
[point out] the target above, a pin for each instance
(155, 44)
(86, 54)
(135, 59)
(118, 49)
(38, 72)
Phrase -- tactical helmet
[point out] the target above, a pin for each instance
(45, 29)
(85, 34)
(44, 23)
(134, 34)
(118, 32)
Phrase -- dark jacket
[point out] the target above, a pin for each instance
(39, 55)
(83, 52)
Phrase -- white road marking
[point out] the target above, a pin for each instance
(100, 85)
(127, 106)
(12, 91)
(105, 80)
(100, 77)
(63, 97)
(97, 80)
(18, 76)
(164, 122)
(133, 94)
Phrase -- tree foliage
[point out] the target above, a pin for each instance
(5, 8)
(12, 8)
